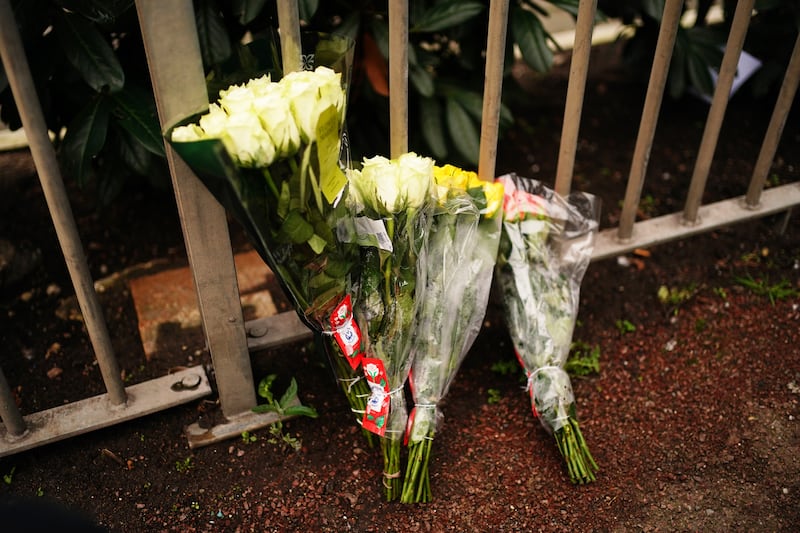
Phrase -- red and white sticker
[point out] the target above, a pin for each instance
(376, 413)
(346, 332)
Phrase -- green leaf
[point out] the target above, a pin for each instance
(99, 11)
(265, 387)
(317, 244)
(349, 26)
(132, 153)
(247, 10)
(653, 8)
(85, 136)
(422, 80)
(290, 395)
(446, 15)
(215, 45)
(87, 50)
(463, 131)
(266, 408)
(430, 114)
(531, 37)
(380, 31)
(307, 8)
(296, 228)
(136, 112)
(301, 410)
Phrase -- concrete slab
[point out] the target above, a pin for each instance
(166, 304)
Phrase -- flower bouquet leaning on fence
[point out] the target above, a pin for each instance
(391, 202)
(269, 150)
(459, 265)
(545, 249)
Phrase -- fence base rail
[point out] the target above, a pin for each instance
(672, 227)
(97, 412)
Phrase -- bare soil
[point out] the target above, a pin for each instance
(693, 417)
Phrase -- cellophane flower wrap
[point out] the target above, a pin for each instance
(545, 250)
(460, 261)
(270, 150)
(391, 201)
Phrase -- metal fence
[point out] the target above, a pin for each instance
(173, 53)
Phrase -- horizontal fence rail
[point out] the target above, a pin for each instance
(175, 66)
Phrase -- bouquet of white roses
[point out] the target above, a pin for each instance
(391, 201)
(544, 252)
(460, 261)
(269, 150)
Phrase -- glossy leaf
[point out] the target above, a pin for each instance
(132, 154)
(246, 11)
(136, 112)
(430, 114)
(300, 410)
(88, 51)
(296, 228)
(472, 102)
(422, 80)
(462, 131)
(99, 11)
(531, 37)
(443, 15)
(85, 136)
(307, 8)
(215, 45)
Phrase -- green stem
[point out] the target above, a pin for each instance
(581, 466)
(271, 184)
(391, 468)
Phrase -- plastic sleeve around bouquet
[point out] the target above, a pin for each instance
(462, 249)
(288, 208)
(546, 247)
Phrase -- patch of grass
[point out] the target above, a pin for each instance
(763, 287)
(494, 396)
(8, 478)
(184, 465)
(625, 326)
(249, 438)
(675, 296)
(721, 292)
(583, 359)
(506, 368)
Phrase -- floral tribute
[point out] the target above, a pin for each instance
(545, 249)
(462, 247)
(391, 202)
(269, 149)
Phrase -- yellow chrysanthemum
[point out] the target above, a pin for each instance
(494, 197)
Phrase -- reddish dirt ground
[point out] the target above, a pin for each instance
(693, 417)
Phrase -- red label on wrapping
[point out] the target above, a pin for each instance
(376, 412)
(346, 332)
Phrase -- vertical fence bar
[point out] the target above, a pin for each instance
(176, 70)
(44, 156)
(493, 88)
(775, 128)
(289, 25)
(12, 418)
(578, 71)
(670, 21)
(398, 77)
(727, 71)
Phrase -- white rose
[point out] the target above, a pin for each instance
(310, 93)
(259, 86)
(214, 122)
(188, 133)
(416, 179)
(247, 141)
(236, 99)
(273, 110)
(383, 175)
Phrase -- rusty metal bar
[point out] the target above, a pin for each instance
(775, 128)
(670, 21)
(727, 71)
(578, 71)
(173, 54)
(289, 24)
(493, 88)
(398, 77)
(44, 157)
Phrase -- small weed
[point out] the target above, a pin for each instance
(583, 359)
(774, 180)
(625, 326)
(40, 492)
(249, 438)
(494, 396)
(700, 325)
(195, 506)
(288, 405)
(7, 478)
(506, 368)
(184, 465)
(675, 296)
(721, 292)
(762, 287)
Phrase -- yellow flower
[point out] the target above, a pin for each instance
(494, 197)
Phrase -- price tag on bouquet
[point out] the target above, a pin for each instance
(346, 332)
(376, 412)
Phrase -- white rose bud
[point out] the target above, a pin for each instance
(214, 122)
(188, 133)
(383, 173)
(236, 99)
(416, 179)
(310, 93)
(247, 141)
(276, 117)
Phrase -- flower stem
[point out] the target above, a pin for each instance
(581, 466)
(391, 468)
